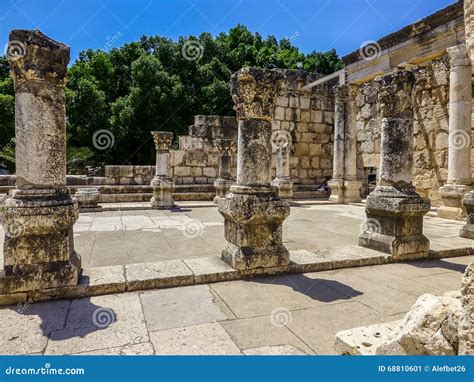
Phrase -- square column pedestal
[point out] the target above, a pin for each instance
(452, 196)
(39, 244)
(394, 223)
(253, 228)
(345, 191)
(252, 210)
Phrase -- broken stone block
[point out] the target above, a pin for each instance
(88, 198)
(429, 328)
(466, 323)
(468, 203)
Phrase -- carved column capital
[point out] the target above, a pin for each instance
(254, 91)
(458, 55)
(396, 94)
(162, 140)
(33, 56)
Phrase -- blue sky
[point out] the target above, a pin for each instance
(310, 24)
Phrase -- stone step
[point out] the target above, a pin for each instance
(310, 195)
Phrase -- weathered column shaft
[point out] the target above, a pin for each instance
(341, 93)
(254, 142)
(225, 180)
(40, 213)
(282, 179)
(460, 105)
(162, 183)
(459, 149)
(253, 213)
(345, 188)
(283, 162)
(350, 138)
(394, 210)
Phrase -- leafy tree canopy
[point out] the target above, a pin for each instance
(155, 84)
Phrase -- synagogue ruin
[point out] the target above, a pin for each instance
(392, 130)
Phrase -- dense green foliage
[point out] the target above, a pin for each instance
(156, 84)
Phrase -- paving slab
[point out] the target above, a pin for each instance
(100, 323)
(177, 307)
(156, 275)
(134, 349)
(203, 339)
(262, 296)
(260, 334)
(24, 329)
(275, 350)
(318, 326)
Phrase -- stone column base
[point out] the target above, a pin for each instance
(394, 223)
(39, 242)
(88, 199)
(253, 228)
(345, 191)
(284, 187)
(162, 192)
(451, 197)
(468, 203)
(222, 187)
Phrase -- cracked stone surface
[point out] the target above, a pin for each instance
(285, 314)
(111, 238)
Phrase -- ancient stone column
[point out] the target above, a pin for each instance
(345, 188)
(337, 182)
(394, 210)
(40, 213)
(252, 211)
(459, 154)
(282, 179)
(224, 180)
(162, 182)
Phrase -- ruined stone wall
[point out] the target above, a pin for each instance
(430, 128)
(195, 161)
(308, 118)
(197, 158)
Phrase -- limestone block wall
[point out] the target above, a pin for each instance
(197, 159)
(307, 116)
(431, 118)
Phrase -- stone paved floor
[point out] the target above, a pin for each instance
(124, 237)
(295, 314)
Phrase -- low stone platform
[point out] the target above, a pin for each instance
(285, 314)
(148, 249)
